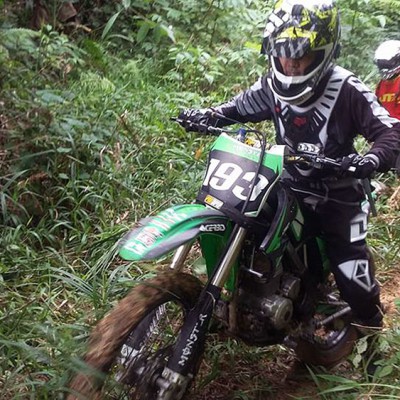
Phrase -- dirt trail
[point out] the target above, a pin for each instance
(277, 375)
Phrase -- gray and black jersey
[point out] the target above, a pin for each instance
(342, 108)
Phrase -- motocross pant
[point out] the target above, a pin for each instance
(339, 211)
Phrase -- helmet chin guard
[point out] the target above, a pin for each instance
(294, 29)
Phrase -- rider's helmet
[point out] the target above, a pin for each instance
(387, 59)
(293, 29)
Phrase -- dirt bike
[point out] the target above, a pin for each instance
(267, 280)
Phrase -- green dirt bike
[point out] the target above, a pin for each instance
(267, 280)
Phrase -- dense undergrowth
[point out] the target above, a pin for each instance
(87, 148)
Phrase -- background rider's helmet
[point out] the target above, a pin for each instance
(387, 58)
(294, 28)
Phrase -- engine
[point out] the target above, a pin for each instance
(265, 302)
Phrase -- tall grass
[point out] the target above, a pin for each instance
(85, 159)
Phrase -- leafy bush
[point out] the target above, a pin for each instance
(365, 24)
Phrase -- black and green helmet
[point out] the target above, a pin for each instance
(294, 28)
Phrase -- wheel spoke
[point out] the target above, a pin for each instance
(144, 354)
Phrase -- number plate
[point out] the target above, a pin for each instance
(231, 169)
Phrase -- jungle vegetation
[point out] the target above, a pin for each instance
(87, 148)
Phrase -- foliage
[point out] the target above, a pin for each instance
(365, 24)
(87, 149)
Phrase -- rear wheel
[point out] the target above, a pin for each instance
(131, 345)
(331, 335)
(326, 347)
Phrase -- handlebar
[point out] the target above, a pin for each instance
(310, 159)
(316, 160)
(308, 154)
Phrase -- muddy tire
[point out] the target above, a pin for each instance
(144, 324)
(327, 351)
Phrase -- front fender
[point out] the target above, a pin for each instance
(166, 231)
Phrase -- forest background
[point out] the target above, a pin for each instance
(87, 148)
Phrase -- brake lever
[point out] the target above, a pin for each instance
(296, 158)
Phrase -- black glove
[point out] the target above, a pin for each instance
(190, 117)
(359, 166)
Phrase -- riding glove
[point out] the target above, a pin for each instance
(360, 166)
(191, 118)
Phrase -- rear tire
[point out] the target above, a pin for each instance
(129, 347)
(327, 350)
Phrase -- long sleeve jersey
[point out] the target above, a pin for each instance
(342, 108)
(388, 93)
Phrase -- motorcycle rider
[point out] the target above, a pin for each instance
(310, 99)
(387, 59)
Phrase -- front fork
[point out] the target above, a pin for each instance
(190, 343)
(180, 257)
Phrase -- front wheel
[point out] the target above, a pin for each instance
(131, 345)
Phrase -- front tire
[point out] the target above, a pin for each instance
(130, 346)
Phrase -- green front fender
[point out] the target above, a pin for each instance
(166, 231)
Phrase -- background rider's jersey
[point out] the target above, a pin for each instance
(388, 93)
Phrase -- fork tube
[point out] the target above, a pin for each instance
(224, 268)
(180, 256)
(191, 340)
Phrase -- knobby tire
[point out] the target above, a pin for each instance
(327, 352)
(117, 328)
